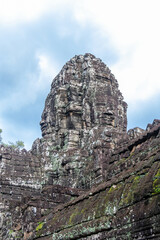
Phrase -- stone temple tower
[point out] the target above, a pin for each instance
(83, 118)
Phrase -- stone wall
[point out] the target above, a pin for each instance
(125, 206)
(20, 177)
(23, 195)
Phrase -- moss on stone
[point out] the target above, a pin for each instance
(83, 229)
(122, 160)
(114, 188)
(156, 183)
(10, 232)
(71, 219)
(131, 190)
(39, 227)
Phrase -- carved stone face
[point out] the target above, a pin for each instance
(84, 96)
(83, 118)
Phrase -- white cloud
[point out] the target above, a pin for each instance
(32, 85)
(47, 70)
(19, 11)
(133, 29)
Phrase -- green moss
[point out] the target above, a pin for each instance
(83, 229)
(121, 161)
(107, 202)
(70, 222)
(84, 210)
(124, 160)
(10, 232)
(136, 179)
(39, 227)
(131, 191)
(114, 188)
(131, 154)
(156, 183)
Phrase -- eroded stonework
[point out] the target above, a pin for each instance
(84, 112)
(87, 177)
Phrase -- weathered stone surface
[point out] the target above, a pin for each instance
(87, 177)
(135, 132)
(125, 206)
(84, 113)
(155, 123)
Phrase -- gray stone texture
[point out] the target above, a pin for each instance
(84, 113)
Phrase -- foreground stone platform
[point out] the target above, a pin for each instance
(126, 206)
(87, 177)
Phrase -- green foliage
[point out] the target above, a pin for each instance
(17, 145)
(20, 144)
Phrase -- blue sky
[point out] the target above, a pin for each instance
(38, 37)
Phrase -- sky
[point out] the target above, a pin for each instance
(37, 37)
